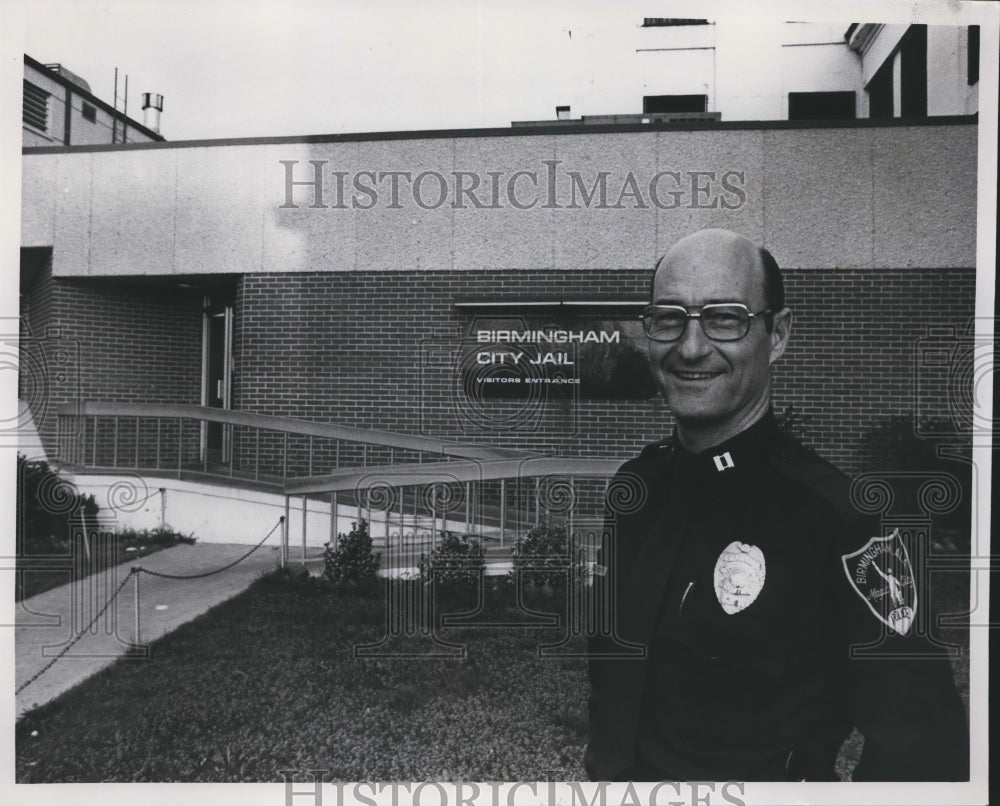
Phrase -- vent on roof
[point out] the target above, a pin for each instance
(670, 22)
(35, 108)
(69, 75)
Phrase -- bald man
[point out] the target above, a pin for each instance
(752, 628)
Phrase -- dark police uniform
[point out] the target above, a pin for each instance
(737, 585)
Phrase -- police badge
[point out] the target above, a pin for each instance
(739, 576)
(881, 573)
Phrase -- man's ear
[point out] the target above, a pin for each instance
(780, 332)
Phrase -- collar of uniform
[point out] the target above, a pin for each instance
(744, 452)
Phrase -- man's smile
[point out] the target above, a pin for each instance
(690, 375)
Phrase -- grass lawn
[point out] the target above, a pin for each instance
(269, 681)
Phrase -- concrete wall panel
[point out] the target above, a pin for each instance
(719, 182)
(498, 235)
(304, 230)
(218, 214)
(619, 231)
(71, 234)
(925, 199)
(878, 197)
(818, 198)
(133, 211)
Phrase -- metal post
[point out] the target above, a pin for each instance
(159, 422)
(284, 458)
(283, 549)
(336, 454)
(180, 444)
(135, 604)
(137, 443)
(310, 455)
(163, 507)
(569, 516)
(256, 457)
(305, 513)
(402, 493)
(538, 504)
(115, 462)
(527, 507)
(93, 456)
(468, 505)
(333, 518)
(503, 508)
(416, 513)
(434, 520)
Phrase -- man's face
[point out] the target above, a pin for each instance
(715, 386)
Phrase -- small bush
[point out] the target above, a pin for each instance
(161, 536)
(893, 446)
(456, 564)
(352, 560)
(541, 557)
(46, 504)
(791, 422)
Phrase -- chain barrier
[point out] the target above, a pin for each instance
(79, 635)
(133, 572)
(217, 570)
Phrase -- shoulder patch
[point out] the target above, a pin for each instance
(881, 574)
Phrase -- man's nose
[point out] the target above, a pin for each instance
(693, 343)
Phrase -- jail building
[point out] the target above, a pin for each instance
(439, 329)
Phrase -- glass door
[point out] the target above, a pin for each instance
(217, 378)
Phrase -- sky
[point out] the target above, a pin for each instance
(266, 68)
(249, 69)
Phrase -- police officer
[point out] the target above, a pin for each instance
(755, 617)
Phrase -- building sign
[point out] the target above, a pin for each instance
(519, 357)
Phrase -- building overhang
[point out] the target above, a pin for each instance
(861, 35)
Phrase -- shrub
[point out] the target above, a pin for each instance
(791, 422)
(352, 560)
(541, 557)
(162, 536)
(46, 505)
(893, 446)
(456, 564)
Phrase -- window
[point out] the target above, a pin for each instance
(89, 112)
(676, 104)
(972, 64)
(913, 73)
(35, 108)
(822, 106)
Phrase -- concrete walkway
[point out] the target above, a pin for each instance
(46, 623)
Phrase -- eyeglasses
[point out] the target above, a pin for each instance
(729, 321)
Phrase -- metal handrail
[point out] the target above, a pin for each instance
(360, 481)
(290, 425)
(418, 475)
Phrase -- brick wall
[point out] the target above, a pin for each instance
(377, 350)
(110, 342)
(372, 350)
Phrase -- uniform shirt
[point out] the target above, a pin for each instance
(732, 618)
